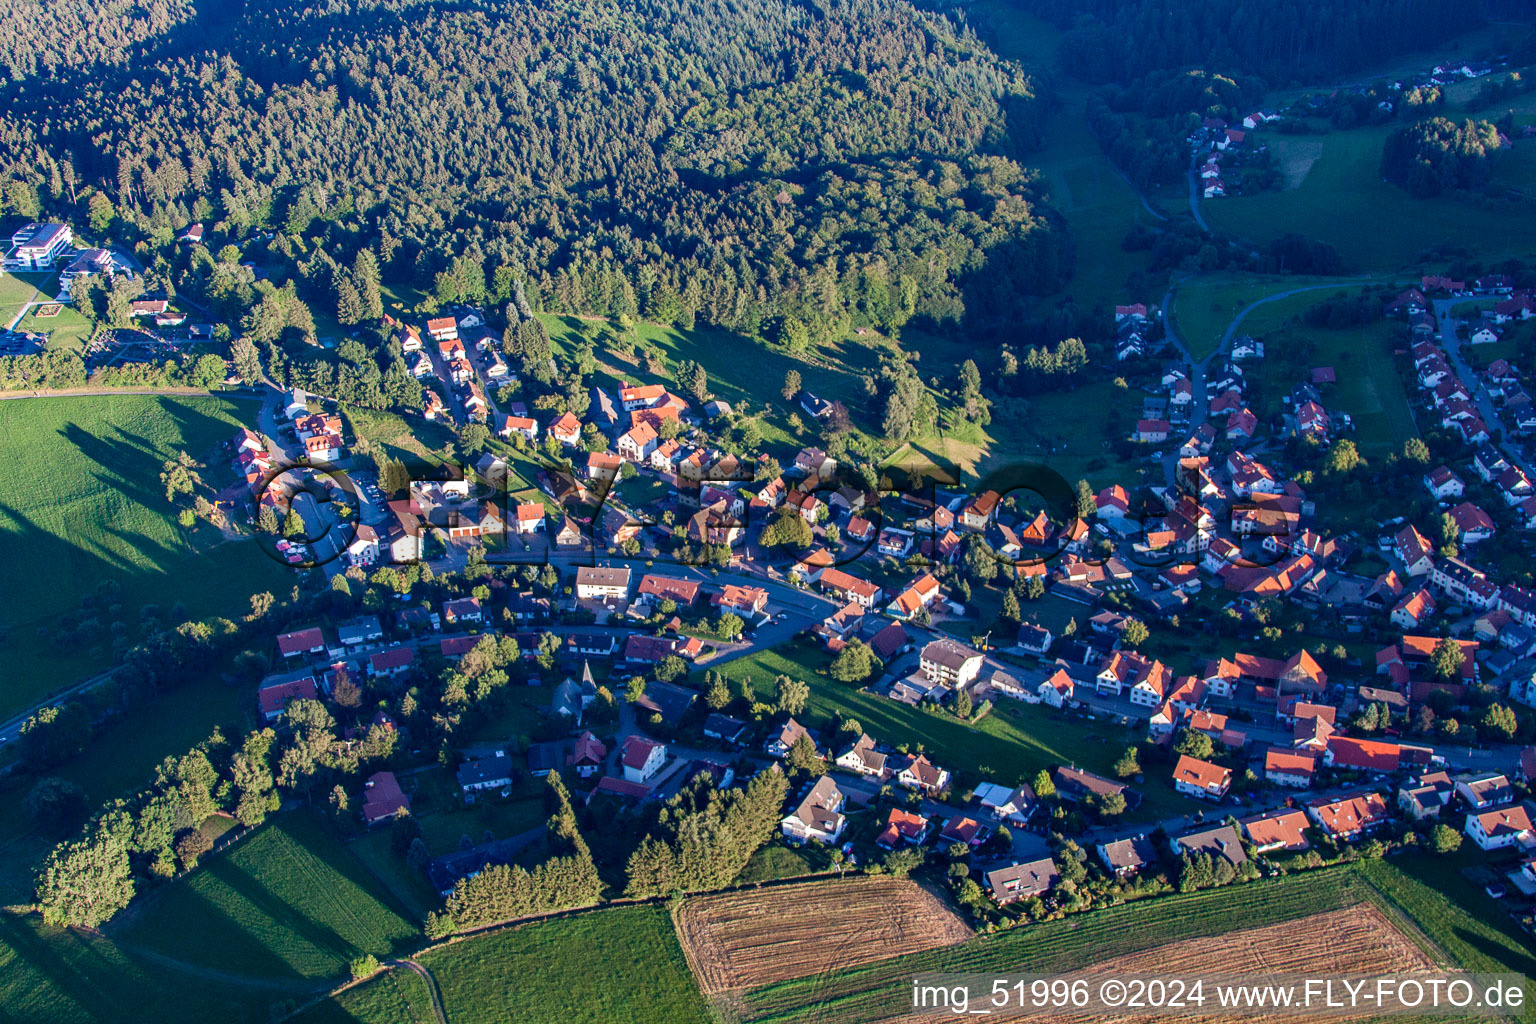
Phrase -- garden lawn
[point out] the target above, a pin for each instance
(67, 330)
(1377, 226)
(1369, 388)
(416, 443)
(67, 977)
(398, 996)
(1072, 432)
(780, 860)
(288, 901)
(80, 504)
(621, 964)
(1010, 745)
(445, 819)
(1069, 944)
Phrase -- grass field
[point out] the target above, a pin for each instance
(874, 991)
(1386, 229)
(66, 330)
(1010, 745)
(66, 977)
(1368, 389)
(287, 902)
(18, 289)
(622, 964)
(1204, 307)
(1470, 929)
(80, 504)
(397, 997)
(745, 373)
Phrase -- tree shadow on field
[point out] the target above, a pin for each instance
(283, 914)
(1516, 956)
(40, 955)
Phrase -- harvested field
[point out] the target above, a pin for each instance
(755, 937)
(1356, 940)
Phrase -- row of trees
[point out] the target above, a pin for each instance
(705, 836)
(502, 892)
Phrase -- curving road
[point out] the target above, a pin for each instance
(1200, 404)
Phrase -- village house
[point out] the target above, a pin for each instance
(392, 662)
(301, 643)
(383, 799)
(950, 663)
(1074, 784)
(279, 690)
(849, 588)
(921, 774)
(742, 600)
(817, 815)
(493, 772)
(1349, 817)
(1194, 777)
(1289, 768)
(602, 583)
(862, 758)
(1280, 830)
(1495, 830)
(1126, 857)
(641, 758)
(902, 828)
(1022, 881)
(1484, 791)
(1014, 806)
(1219, 842)
(788, 734)
(462, 610)
(1057, 689)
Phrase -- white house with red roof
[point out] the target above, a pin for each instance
(1057, 690)
(1473, 525)
(641, 758)
(1495, 830)
(301, 642)
(1197, 778)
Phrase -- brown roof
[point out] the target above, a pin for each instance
(383, 798)
(680, 590)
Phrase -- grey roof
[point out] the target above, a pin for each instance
(486, 769)
(1023, 880)
(1221, 841)
(566, 699)
(820, 806)
(1128, 854)
(950, 654)
(359, 630)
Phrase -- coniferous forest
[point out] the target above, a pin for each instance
(849, 161)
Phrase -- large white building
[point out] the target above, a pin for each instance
(36, 246)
